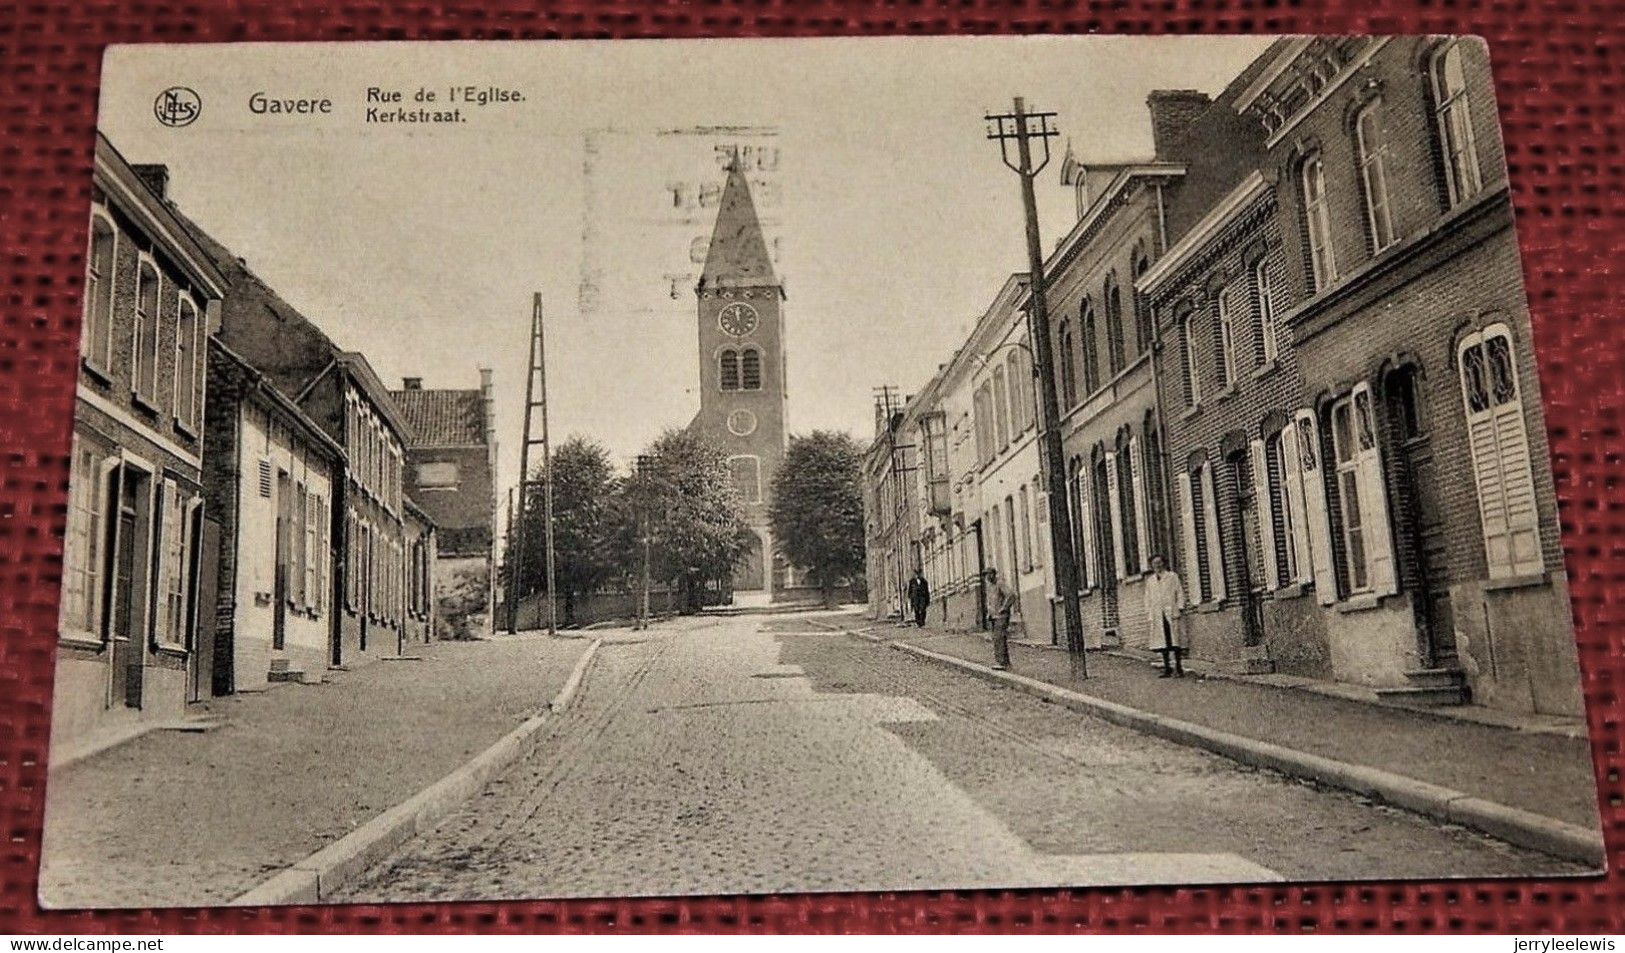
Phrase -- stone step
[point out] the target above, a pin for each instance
(1427, 697)
(1446, 678)
(285, 673)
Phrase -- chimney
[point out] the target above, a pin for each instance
(155, 176)
(412, 383)
(1173, 111)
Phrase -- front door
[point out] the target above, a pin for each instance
(1424, 519)
(1252, 552)
(279, 594)
(127, 609)
(203, 562)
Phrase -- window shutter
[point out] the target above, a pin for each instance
(1188, 525)
(1518, 485)
(1086, 524)
(1292, 482)
(1215, 545)
(1264, 510)
(1141, 526)
(1500, 451)
(1114, 513)
(159, 586)
(1374, 497)
(1312, 469)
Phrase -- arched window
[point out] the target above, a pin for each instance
(1226, 324)
(1129, 503)
(1001, 403)
(1021, 408)
(1069, 370)
(1155, 493)
(1499, 443)
(1114, 325)
(1360, 500)
(1317, 222)
(1371, 152)
(1269, 342)
(144, 344)
(188, 365)
(98, 336)
(1453, 113)
(746, 472)
(1091, 349)
(728, 369)
(750, 369)
(1143, 330)
(1187, 349)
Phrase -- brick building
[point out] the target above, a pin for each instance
(422, 611)
(339, 392)
(450, 468)
(269, 481)
(127, 653)
(1353, 416)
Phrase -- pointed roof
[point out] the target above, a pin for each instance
(738, 253)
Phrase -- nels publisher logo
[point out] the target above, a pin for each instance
(177, 106)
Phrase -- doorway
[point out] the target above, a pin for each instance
(1423, 518)
(279, 588)
(1246, 532)
(127, 608)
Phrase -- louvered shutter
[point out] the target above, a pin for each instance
(1141, 527)
(1086, 525)
(1264, 510)
(1512, 443)
(1500, 450)
(1215, 546)
(1379, 555)
(1312, 470)
(1292, 482)
(1187, 519)
(1114, 512)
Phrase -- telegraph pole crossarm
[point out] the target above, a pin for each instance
(1020, 128)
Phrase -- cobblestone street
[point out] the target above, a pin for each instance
(758, 754)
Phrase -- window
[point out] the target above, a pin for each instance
(1453, 113)
(1020, 406)
(1040, 522)
(1026, 531)
(1499, 443)
(1114, 325)
(1011, 541)
(170, 627)
(983, 409)
(1069, 369)
(1224, 333)
(746, 473)
(82, 546)
(98, 325)
(728, 369)
(1091, 349)
(1143, 330)
(1128, 506)
(1001, 399)
(144, 345)
(1372, 153)
(442, 475)
(750, 369)
(1362, 508)
(1187, 347)
(187, 365)
(1269, 343)
(312, 552)
(1283, 515)
(1318, 223)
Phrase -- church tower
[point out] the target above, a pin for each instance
(742, 367)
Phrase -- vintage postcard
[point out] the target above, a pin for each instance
(584, 469)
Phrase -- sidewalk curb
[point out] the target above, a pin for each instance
(324, 872)
(1511, 824)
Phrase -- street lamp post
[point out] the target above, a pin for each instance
(1021, 128)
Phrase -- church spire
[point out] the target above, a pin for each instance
(738, 253)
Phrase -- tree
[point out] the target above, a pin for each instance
(695, 516)
(584, 522)
(817, 510)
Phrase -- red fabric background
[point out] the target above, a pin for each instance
(1560, 95)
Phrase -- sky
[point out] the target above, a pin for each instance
(422, 245)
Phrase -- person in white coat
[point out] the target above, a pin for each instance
(1164, 604)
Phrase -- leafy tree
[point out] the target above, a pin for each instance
(585, 519)
(817, 509)
(695, 516)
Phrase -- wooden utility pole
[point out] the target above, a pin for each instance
(1021, 128)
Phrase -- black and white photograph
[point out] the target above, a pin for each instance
(548, 469)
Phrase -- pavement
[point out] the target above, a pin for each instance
(771, 754)
(197, 818)
(1539, 770)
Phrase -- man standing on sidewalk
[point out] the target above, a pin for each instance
(919, 596)
(1164, 603)
(1000, 603)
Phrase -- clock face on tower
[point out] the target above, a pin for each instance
(738, 319)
